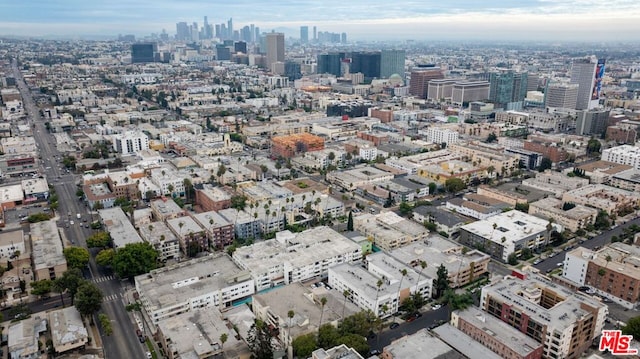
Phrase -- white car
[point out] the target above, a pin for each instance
(436, 307)
(71, 223)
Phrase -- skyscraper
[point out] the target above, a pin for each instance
(315, 34)
(230, 28)
(508, 89)
(275, 48)
(330, 63)
(583, 73)
(420, 77)
(182, 31)
(366, 62)
(561, 95)
(143, 52)
(304, 34)
(392, 62)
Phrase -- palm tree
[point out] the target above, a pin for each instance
(345, 293)
(290, 315)
(404, 272)
(223, 339)
(379, 284)
(423, 265)
(323, 302)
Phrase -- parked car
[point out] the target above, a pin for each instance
(394, 325)
(436, 307)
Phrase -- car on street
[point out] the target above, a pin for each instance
(149, 355)
(537, 261)
(436, 307)
(394, 325)
(375, 352)
(71, 223)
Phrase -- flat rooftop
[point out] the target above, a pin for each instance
(562, 315)
(47, 245)
(510, 337)
(297, 250)
(436, 250)
(511, 226)
(421, 345)
(119, 226)
(176, 284)
(464, 343)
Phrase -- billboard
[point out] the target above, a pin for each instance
(597, 81)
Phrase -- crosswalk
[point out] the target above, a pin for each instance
(104, 279)
(111, 297)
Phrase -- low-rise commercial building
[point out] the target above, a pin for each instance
(564, 321)
(507, 233)
(119, 227)
(47, 256)
(67, 329)
(210, 281)
(292, 257)
(23, 337)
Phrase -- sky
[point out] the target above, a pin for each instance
(514, 20)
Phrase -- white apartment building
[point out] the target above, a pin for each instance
(10, 243)
(362, 284)
(130, 142)
(441, 135)
(168, 181)
(210, 281)
(292, 257)
(625, 155)
(368, 153)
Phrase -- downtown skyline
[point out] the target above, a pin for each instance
(541, 20)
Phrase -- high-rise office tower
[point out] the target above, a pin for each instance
(561, 95)
(330, 63)
(583, 73)
(182, 31)
(420, 77)
(367, 63)
(392, 62)
(508, 89)
(240, 46)
(275, 48)
(343, 38)
(230, 28)
(304, 34)
(315, 34)
(143, 52)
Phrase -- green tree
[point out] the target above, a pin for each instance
(328, 336)
(69, 281)
(512, 259)
(223, 339)
(105, 257)
(442, 280)
(432, 188)
(304, 345)
(105, 323)
(405, 208)
(38, 217)
(88, 299)
(323, 302)
(454, 185)
(593, 147)
(77, 257)
(545, 164)
(259, 340)
(632, 327)
(457, 301)
(134, 259)
(350, 222)
(99, 240)
(41, 287)
(491, 138)
(357, 342)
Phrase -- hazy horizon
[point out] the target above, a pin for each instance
(517, 20)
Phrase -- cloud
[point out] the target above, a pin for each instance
(525, 19)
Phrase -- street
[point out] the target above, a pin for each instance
(428, 319)
(123, 343)
(597, 241)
